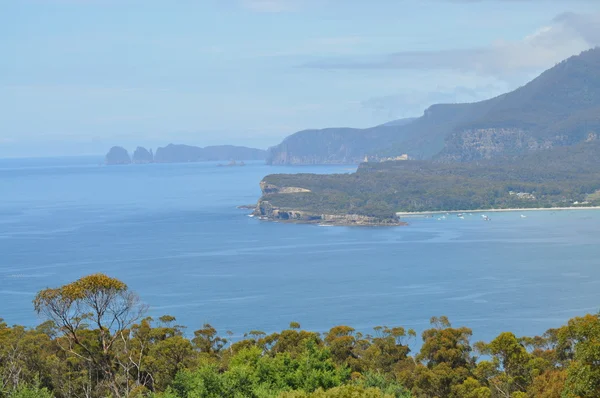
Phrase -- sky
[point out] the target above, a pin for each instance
(79, 76)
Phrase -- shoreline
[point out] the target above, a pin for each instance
(424, 213)
(323, 223)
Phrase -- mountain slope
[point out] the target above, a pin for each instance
(332, 145)
(560, 107)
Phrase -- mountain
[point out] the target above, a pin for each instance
(117, 155)
(141, 155)
(561, 107)
(186, 153)
(333, 145)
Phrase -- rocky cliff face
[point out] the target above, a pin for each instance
(117, 155)
(141, 155)
(487, 143)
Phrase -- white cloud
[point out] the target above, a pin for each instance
(566, 35)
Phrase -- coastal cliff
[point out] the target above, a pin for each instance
(267, 210)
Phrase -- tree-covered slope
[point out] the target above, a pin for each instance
(557, 177)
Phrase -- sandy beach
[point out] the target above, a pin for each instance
(424, 213)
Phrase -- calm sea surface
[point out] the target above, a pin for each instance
(173, 233)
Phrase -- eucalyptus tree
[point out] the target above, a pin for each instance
(92, 314)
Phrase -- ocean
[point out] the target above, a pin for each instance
(173, 233)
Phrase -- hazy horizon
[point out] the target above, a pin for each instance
(83, 75)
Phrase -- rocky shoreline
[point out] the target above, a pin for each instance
(265, 211)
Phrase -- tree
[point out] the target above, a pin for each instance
(99, 302)
(580, 341)
(207, 341)
(445, 359)
(509, 370)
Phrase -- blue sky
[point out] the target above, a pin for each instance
(78, 76)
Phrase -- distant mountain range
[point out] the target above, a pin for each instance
(183, 154)
(561, 107)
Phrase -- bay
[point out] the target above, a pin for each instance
(173, 233)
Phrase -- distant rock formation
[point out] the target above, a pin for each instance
(178, 154)
(141, 156)
(186, 153)
(117, 155)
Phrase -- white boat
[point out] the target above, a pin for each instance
(523, 216)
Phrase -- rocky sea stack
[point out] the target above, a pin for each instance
(141, 156)
(117, 155)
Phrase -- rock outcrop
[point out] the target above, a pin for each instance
(117, 155)
(141, 156)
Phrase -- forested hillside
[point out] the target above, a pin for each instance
(553, 178)
(97, 342)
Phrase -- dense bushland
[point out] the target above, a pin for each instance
(97, 343)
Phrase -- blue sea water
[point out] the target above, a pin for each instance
(173, 233)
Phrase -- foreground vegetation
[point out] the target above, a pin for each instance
(550, 178)
(96, 343)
